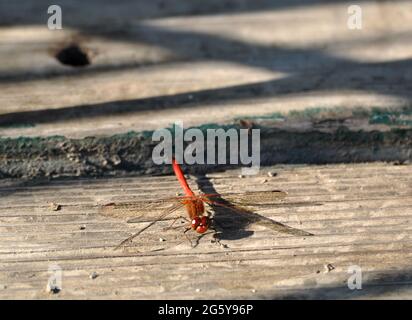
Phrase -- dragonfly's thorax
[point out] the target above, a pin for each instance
(195, 208)
(196, 211)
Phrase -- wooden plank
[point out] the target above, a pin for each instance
(359, 213)
(151, 67)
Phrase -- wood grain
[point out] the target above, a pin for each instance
(363, 219)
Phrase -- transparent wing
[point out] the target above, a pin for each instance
(136, 211)
(252, 198)
(272, 224)
(174, 208)
(239, 202)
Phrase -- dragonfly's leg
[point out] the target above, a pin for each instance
(188, 239)
(215, 236)
(198, 239)
(196, 243)
(174, 221)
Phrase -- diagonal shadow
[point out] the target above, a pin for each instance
(23, 76)
(227, 226)
(310, 70)
(207, 47)
(209, 97)
(232, 225)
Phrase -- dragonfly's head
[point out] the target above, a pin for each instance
(200, 224)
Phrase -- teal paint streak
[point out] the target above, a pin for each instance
(391, 118)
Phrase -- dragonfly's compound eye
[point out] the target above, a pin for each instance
(203, 226)
(200, 224)
(196, 222)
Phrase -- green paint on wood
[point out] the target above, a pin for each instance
(391, 117)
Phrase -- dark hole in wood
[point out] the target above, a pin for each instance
(73, 55)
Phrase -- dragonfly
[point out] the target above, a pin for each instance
(197, 205)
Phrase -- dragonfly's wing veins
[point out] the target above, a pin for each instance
(275, 225)
(252, 198)
(174, 208)
(135, 211)
(239, 203)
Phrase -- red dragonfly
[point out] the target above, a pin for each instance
(200, 220)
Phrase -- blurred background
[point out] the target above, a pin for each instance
(296, 67)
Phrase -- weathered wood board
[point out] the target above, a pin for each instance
(153, 63)
(360, 215)
(156, 62)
